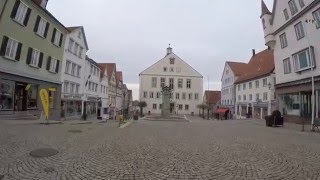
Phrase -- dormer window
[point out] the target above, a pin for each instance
(164, 69)
(293, 7)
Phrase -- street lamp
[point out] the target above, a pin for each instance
(269, 101)
(312, 21)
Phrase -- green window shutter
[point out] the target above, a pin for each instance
(36, 26)
(26, 19)
(48, 63)
(15, 9)
(18, 52)
(4, 45)
(30, 50)
(40, 60)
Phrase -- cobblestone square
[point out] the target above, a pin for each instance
(200, 149)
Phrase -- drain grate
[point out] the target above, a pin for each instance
(44, 152)
(49, 169)
(75, 131)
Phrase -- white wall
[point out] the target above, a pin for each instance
(227, 88)
(262, 89)
(312, 38)
(184, 72)
(73, 57)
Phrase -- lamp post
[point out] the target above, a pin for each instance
(269, 101)
(312, 21)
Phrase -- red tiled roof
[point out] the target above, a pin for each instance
(259, 65)
(110, 67)
(118, 76)
(237, 67)
(212, 97)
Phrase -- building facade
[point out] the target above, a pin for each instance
(112, 87)
(119, 94)
(292, 30)
(91, 87)
(255, 87)
(186, 84)
(72, 76)
(31, 54)
(232, 70)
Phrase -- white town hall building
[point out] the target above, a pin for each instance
(172, 71)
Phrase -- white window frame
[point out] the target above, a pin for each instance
(73, 69)
(151, 95)
(180, 83)
(66, 87)
(177, 95)
(283, 40)
(42, 27)
(21, 13)
(265, 82)
(153, 82)
(188, 83)
(72, 85)
(35, 56)
(11, 49)
(71, 43)
(145, 94)
(296, 60)
(293, 7)
(286, 66)
(80, 51)
(53, 65)
(77, 88)
(196, 96)
(316, 17)
(257, 82)
(57, 37)
(299, 30)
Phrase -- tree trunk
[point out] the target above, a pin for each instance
(141, 109)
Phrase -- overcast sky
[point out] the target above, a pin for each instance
(135, 33)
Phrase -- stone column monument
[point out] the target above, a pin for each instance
(166, 92)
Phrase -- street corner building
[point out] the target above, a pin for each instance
(292, 30)
(31, 54)
(185, 82)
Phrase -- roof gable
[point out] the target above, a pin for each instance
(212, 97)
(80, 28)
(237, 67)
(157, 67)
(259, 65)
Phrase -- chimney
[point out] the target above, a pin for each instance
(253, 52)
(169, 50)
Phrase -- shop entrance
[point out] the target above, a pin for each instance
(20, 102)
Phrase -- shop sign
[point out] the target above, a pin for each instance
(52, 89)
(28, 87)
(44, 96)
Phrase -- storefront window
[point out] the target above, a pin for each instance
(6, 95)
(290, 104)
(70, 108)
(78, 106)
(32, 97)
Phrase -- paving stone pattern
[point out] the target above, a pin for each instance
(200, 149)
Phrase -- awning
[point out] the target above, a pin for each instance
(221, 111)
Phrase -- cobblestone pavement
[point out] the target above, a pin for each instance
(200, 149)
